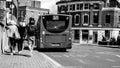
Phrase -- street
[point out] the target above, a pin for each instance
(87, 56)
(80, 56)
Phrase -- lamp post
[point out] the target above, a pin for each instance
(17, 9)
(14, 6)
(11, 7)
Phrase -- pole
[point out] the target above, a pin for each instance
(17, 9)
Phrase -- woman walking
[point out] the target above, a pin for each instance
(22, 31)
(13, 34)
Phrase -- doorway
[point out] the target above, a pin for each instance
(95, 37)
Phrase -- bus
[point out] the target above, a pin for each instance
(54, 31)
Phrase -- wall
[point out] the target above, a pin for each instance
(114, 33)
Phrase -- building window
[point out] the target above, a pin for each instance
(76, 35)
(8, 3)
(107, 18)
(96, 6)
(72, 7)
(96, 18)
(77, 19)
(86, 19)
(86, 6)
(79, 7)
(62, 8)
(85, 34)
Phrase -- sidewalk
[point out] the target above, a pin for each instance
(85, 44)
(110, 46)
(38, 60)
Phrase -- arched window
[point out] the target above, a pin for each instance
(96, 18)
(86, 19)
(77, 19)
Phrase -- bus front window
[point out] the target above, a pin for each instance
(55, 26)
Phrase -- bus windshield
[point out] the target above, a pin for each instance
(55, 26)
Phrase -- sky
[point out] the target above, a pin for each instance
(49, 4)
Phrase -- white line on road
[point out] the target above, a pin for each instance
(82, 61)
(115, 66)
(110, 60)
(66, 56)
(97, 56)
(118, 56)
(58, 56)
(53, 61)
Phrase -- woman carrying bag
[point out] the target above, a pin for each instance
(13, 35)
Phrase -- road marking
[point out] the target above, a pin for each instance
(53, 61)
(66, 56)
(116, 66)
(107, 53)
(118, 56)
(85, 55)
(110, 60)
(82, 61)
(58, 56)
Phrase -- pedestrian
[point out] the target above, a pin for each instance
(4, 46)
(13, 34)
(103, 38)
(22, 31)
(118, 40)
(31, 32)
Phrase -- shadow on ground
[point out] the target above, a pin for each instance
(51, 50)
(110, 46)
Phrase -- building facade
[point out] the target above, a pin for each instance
(31, 9)
(92, 19)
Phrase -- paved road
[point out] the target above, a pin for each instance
(38, 60)
(84, 56)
